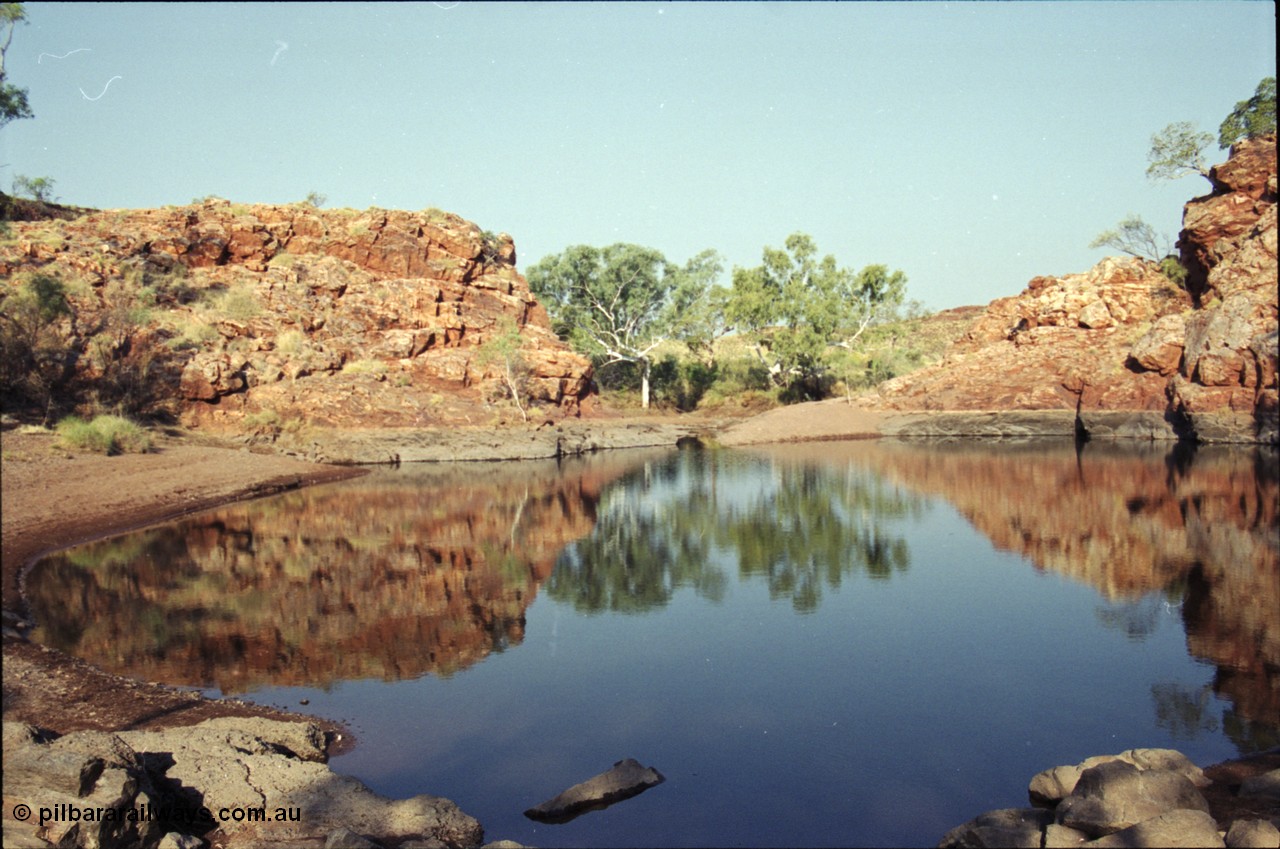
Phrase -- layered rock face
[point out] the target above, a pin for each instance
(1228, 245)
(291, 315)
(1127, 350)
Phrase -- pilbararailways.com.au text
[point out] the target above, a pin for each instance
(63, 813)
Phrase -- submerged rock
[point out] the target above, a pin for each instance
(627, 778)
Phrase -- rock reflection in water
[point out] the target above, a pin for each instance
(393, 575)
(432, 569)
(1192, 533)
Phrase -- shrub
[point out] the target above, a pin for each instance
(104, 435)
(1172, 268)
(365, 367)
(193, 331)
(35, 360)
(290, 341)
(682, 383)
(238, 303)
(36, 188)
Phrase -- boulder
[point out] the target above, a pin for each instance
(241, 764)
(1017, 828)
(627, 778)
(1266, 785)
(59, 781)
(1115, 795)
(345, 838)
(1096, 315)
(1050, 787)
(1171, 829)
(268, 776)
(1253, 834)
(1160, 348)
(178, 840)
(1061, 837)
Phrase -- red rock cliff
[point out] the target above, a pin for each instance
(273, 316)
(1121, 338)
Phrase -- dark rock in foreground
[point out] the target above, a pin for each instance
(627, 778)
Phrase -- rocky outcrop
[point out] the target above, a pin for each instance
(1121, 347)
(240, 782)
(1228, 378)
(271, 318)
(1139, 798)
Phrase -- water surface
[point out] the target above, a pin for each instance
(831, 644)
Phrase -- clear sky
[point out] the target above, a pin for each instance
(972, 145)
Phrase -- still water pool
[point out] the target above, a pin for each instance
(860, 643)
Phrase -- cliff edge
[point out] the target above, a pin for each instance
(1124, 349)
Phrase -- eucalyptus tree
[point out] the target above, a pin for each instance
(1252, 117)
(619, 303)
(795, 307)
(13, 100)
(1178, 151)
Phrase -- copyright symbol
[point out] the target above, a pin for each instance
(21, 812)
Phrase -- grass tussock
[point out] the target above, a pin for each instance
(105, 434)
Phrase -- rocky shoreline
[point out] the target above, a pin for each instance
(1138, 798)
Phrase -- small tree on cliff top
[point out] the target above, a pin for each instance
(1136, 238)
(1178, 150)
(1252, 117)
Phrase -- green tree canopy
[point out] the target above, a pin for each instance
(618, 303)
(1252, 117)
(794, 307)
(13, 100)
(1178, 150)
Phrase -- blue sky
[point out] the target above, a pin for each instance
(972, 145)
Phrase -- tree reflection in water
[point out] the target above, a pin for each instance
(680, 522)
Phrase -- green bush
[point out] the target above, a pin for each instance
(104, 435)
(1172, 268)
(682, 383)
